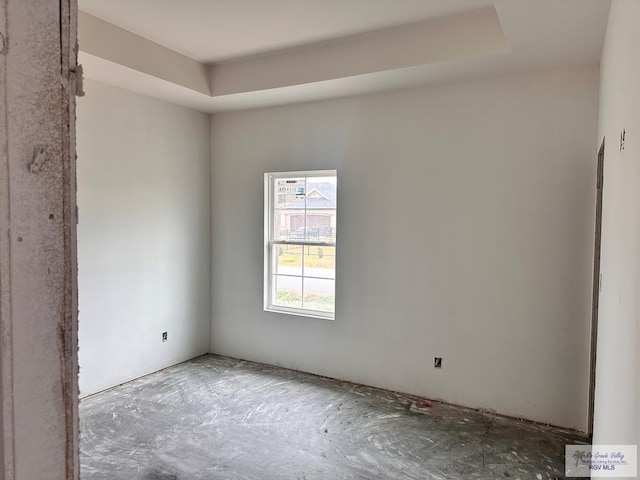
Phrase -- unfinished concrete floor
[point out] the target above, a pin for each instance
(219, 418)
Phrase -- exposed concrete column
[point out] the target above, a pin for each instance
(38, 293)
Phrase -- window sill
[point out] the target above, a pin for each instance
(301, 313)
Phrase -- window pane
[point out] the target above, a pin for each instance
(319, 228)
(289, 190)
(321, 202)
(320, 261)
(289, 193)
(289, 201)
(287, 291)
(319, 294)
(321, 191)
(287, 259)
(288, 224)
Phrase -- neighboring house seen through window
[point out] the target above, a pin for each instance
(300, 243)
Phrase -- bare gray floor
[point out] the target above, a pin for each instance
(219, 418)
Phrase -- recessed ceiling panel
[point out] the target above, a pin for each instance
(216, 30)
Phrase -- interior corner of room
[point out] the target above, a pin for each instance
(466, 234)
(469, 203)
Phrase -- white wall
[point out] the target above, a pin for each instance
(617, 403)
(465, 230)
(143, 236)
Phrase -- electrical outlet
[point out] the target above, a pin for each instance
(437, 362)
(164, 337)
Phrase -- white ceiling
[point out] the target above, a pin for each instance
(215, 30)
(243, 52)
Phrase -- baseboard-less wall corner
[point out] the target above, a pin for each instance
(94, 389)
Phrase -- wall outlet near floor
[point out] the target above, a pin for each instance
(437, 362)
(164, 337)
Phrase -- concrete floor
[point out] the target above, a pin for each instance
(219, 418)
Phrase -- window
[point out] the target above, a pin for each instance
(300, 243)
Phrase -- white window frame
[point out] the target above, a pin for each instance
(269, 242)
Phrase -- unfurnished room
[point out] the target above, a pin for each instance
(323, 240)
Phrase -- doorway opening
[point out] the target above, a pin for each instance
(596, 285)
